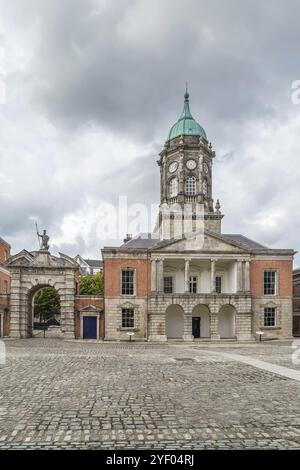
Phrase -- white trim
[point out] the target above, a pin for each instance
(5, 271)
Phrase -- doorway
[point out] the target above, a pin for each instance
(196, 327)
(89, 327)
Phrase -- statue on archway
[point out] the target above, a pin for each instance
(44, 240)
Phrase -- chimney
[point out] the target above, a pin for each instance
(128, 237)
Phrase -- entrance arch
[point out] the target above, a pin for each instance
(203, 313)
(49, 311)
(32, 271)
(227, 321)
(174, 322)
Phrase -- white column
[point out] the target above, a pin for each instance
(212, 275)
(239, 276)
(160, 275)
(247, 276)
(187, 275)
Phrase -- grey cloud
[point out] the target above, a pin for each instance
(123, 67)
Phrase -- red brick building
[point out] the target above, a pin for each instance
(4, 288)
(197, 282)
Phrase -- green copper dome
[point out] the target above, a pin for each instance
(186, 124)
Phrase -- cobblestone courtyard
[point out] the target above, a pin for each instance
(56, 394)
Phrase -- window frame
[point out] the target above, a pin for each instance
(221, 284)
(193, 282)
(127, 311)
(275, 272)
(275, 317)
(121, 282)
(188, 179)
(169, 276)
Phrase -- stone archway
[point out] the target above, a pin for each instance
(31, 271)
(227, 316)
(174, 322)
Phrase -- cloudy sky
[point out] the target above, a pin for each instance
(90, 89)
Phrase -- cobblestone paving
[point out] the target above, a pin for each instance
(56, 394)
(283, 353)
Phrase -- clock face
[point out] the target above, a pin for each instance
(205, 168)
(173, 167)
(191, 164)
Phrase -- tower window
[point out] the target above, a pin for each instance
(190, 186)
(173, 187)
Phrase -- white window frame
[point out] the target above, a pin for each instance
(276, 282)
(173, 283)
(275, 317)
(197, 283)
(134, 282)
(133, 312)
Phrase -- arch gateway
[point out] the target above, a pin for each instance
(32, 271)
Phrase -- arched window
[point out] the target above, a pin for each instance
(190, 186)
(173, 187)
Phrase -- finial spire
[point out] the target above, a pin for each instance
(186, 95)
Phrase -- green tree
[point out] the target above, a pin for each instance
(91, 284)
(46, 304)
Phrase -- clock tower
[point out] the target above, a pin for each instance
(186, 176)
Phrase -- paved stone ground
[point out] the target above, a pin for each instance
(56, 394)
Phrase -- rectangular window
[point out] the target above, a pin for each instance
(5, 287)
(127, 318)
(168, 285)
(193, 284)
(270, 316)
(269, 282)
(127, 282)
(218, 284)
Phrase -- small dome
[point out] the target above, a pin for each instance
(186, 124)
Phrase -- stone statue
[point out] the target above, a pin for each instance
(44, 240)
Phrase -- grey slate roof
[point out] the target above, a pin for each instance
(147, 241)
(94, 263)
(244, 241)
(140, 241)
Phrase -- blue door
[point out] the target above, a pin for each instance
(89, 327)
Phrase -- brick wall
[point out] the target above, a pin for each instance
(112, 273)
(82, 301)
(285, 276)
(282, 301)
(4, 277)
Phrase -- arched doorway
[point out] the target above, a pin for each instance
(44, 312)
(201, 321)
(174, 322)
(227, 321)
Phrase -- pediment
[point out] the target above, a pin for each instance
(209, 242)
(40, 259)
